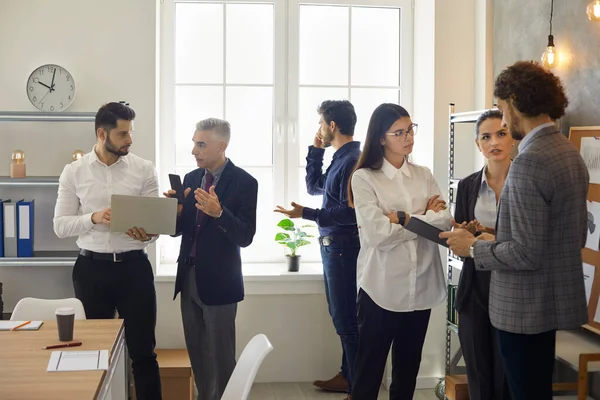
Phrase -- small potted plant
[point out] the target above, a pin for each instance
(293, 238)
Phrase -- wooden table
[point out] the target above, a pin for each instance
(23, 363)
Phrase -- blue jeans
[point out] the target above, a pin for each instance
(339, 272)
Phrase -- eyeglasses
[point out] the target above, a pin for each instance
(401, 133)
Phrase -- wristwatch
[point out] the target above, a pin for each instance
(472, 250)
(401, 217)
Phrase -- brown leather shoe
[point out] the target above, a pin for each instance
(336, 384)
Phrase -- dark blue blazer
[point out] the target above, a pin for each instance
(218, 263)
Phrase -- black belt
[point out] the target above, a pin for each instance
(338, 239)
(114, 257)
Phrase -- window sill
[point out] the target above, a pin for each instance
(267, 278)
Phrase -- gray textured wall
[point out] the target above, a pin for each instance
(521, 30)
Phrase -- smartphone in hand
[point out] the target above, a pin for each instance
(177, 187)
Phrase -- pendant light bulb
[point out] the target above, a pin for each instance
(550, 58)
(593, 10)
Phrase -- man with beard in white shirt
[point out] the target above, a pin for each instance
(112, 272)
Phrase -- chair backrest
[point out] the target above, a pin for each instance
(32, 309)
(240, 383)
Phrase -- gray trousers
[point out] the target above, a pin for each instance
(210, 339)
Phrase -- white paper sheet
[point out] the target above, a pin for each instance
(590, 152)
(32, 326)
(588, 280)
(597, 316)
(593, 225)
(78, 360)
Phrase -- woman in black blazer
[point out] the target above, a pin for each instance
(476, 203)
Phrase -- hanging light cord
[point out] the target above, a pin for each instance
(551, 14)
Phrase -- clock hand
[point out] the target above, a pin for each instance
(43, 84)
(52, 84)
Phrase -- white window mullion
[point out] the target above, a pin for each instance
(293, 85)
(280, 112)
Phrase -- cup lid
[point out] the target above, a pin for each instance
(65, 311)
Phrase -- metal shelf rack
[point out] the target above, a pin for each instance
(454, 262)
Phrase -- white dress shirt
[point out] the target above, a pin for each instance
(85, 187)
(399, 270)
(486, 205)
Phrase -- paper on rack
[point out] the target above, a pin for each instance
(78, 360)
(593, 225)
(588, 280)
(597, 316)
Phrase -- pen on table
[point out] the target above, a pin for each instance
(20, 326)
(60, 346)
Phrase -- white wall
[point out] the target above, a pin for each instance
(109, 47)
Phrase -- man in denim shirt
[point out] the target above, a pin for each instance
(337, 227)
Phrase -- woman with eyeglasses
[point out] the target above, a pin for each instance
(399, 274)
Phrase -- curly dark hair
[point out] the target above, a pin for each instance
(532, 89)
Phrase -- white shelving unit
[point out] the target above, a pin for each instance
(33, 116)
(58, 258)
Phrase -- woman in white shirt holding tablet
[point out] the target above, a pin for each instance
(400, 275)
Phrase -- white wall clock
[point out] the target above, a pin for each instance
(51, 88)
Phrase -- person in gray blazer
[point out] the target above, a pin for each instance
(537, 284)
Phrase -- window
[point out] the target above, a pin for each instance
(265, 66)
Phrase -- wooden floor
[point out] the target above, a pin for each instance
(306, 391)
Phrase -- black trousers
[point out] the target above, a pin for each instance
(128, 287)
(479, 343)
(529, 363)
(377, 330)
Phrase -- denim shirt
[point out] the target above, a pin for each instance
(334, 217)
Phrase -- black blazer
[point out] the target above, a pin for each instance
(473, 285)
(218, 262)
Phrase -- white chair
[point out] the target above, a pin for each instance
(32, 309)
(241, 380)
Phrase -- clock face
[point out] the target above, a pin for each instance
(51, 88)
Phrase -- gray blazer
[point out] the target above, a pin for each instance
(537, 279)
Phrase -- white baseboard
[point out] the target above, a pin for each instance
(423, 382)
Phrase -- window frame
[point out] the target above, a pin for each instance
(286, 143)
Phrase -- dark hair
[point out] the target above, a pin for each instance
(341, 112)
(532, 89)
(108, 115)
(489, 114)
(371, 157)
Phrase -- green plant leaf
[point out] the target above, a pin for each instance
(302, 234)
(302, 242)
(286, 224)
(282, 236)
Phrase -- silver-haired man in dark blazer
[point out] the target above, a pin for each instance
(537, 278)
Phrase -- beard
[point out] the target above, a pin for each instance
(515, 131)
(326, 139)
(111, 148)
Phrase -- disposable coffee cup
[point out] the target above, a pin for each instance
(65, 319)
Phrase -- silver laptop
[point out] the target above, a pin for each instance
(156, 215)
